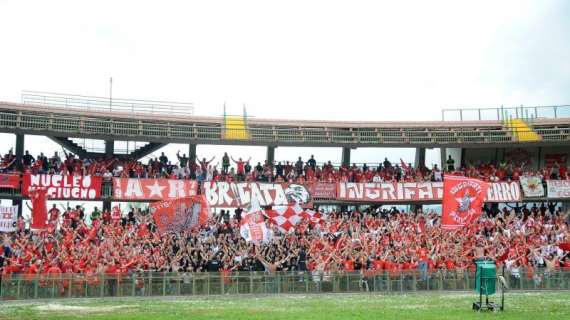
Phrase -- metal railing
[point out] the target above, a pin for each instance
(19, 287)
(503, 114)
(106, 104)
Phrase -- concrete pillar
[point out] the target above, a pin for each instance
(540, 163)
(416, 207)
(443, 155)
(192, 153)
(107, 204)
(420, 161)
(109, 152)
(346, 156)
(270, 157)
(19, 203)
(109, 147)
(19, 150)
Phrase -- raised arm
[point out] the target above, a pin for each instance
(261, 259)
(284, 259)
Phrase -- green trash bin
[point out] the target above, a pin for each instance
(485, 277)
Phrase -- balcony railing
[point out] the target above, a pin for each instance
(20, 287)
(106, 104)
(502, 114)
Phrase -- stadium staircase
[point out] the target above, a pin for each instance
(235, 127)
(522, 131)
(83, 151)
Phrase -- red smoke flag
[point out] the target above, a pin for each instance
(180, 214)
(39, 209)
(462, 201)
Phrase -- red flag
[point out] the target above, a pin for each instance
(180, 214)
(462, 201)
(39, 209)
(404, 165)
(565, 246)
(314, 217)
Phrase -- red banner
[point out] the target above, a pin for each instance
(10, 181)
(39, 209)
(178, 215)
(64, 187)
(229, 194)
(419, 191)
(551, 159)
(153, 189)
(462, 201)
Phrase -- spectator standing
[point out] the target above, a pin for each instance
(450, 164)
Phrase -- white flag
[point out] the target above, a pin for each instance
(8, 218)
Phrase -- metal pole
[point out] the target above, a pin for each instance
(110, 93)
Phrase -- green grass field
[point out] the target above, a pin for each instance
(532, 306)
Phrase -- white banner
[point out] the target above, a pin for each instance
(558, 188)
(532, 186)
(392, 192)
(8, 218)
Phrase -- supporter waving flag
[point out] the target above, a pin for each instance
(462, 201)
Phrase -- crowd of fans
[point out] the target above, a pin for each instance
(371, 241)
(300, 171)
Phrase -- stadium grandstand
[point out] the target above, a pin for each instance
(318, 221)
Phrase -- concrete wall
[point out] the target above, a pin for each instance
(477, 156)
(535, 155)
